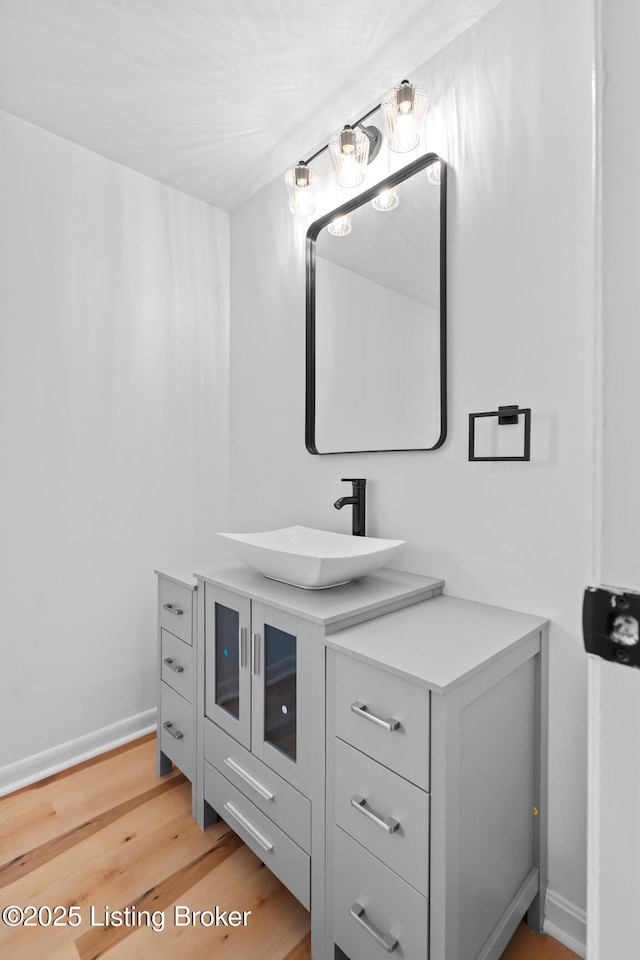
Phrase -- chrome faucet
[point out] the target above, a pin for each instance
(358, 500)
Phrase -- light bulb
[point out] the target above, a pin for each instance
(349, 152)
(301, 185)
(405, 94)
(405, 137)
(340, 226)
(403, 110)
(386, 200)
(350, 172)
(347, 139)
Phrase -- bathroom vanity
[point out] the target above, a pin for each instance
(379, 746)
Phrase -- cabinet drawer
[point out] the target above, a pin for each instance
(369, 702)
(387, 907)
(393, 822)
(175, 603)
(177, 664)
(276, 850)
(177, 739)
(276, 798)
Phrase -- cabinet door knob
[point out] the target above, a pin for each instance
(384, 940)
(176, 611)
(170, 662)
(361, 709)
(170, 728)
(387, 823)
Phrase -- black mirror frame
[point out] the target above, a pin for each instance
(312, 235)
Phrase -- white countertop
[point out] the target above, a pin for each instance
(440, 643)
(329, 607)
(181, 573)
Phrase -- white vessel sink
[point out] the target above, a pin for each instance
(313, 559)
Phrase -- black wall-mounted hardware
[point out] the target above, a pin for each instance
(393, 180)
(611, 624)
(506, 415)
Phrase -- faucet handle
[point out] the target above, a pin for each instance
(358, 483)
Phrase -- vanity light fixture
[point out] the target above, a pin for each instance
(386, 200)
(301, 184)
(403, 110)
(341, 226)
(356, 145)
(351, 150)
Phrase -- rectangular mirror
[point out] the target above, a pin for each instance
(376, 317)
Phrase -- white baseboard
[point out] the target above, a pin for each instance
(565, 922)
(22, 773)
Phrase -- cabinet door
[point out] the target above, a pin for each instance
(281, 693)
(227, 662)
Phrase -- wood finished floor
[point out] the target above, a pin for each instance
(111, 833)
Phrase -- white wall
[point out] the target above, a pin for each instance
(113, 428)
(511, 115)
(614, 788)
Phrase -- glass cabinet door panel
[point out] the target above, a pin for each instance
(227, 685)
(280, 709)
(285, 660)
(227, 671)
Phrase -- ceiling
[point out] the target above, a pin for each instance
(213, 97)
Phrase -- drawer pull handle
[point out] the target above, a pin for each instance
(266, 846)
(384, 940)
(249, 779)
(170, 662)
(169, 727)
(361, 710)
(387, 823)
(176, 611)
(255, 655)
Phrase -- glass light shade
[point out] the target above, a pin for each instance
(386, 200)
(349, 152)
(434, 174)
(301, 184)
(341, 226)
(403, 111)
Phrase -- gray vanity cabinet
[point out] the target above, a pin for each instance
(380, 747)
(436, 782)
(177, 684)
(256, 729)
(378, 834)
(258, 681)
(261, 729)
